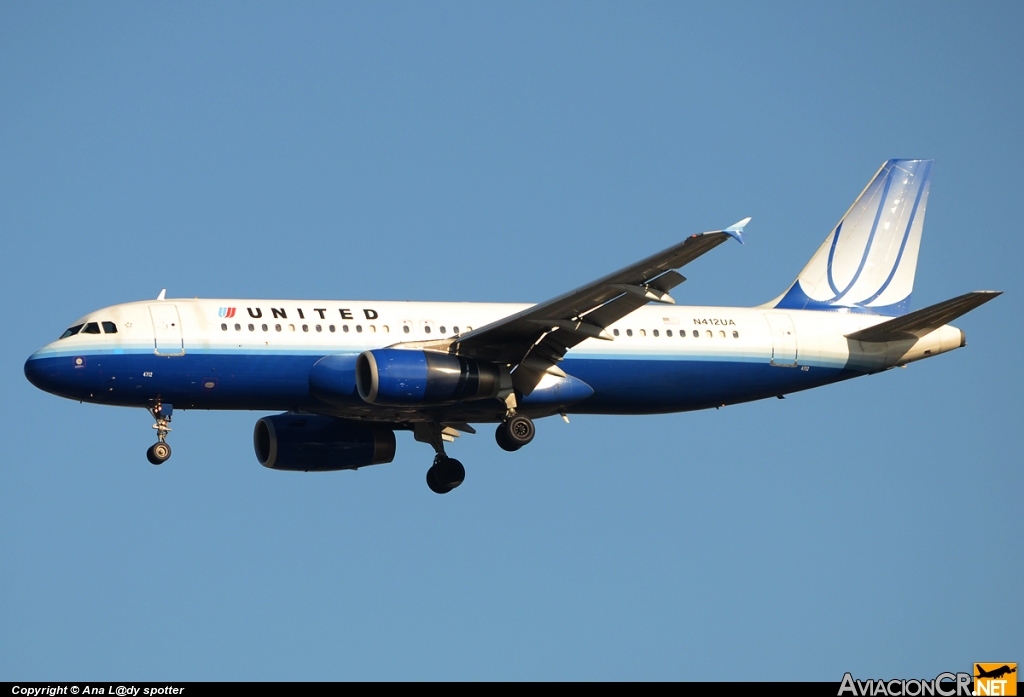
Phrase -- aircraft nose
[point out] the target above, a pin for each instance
(38, 371)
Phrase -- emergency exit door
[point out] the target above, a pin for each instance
(167, 339)
(784, 349)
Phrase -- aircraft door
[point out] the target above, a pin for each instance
(167, 339)
(784, 350)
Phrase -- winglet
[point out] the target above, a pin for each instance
(736, 230)
(163, 294)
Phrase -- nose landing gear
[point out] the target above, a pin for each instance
(159, 452)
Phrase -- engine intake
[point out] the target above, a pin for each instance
(299, 442)
(401, 377)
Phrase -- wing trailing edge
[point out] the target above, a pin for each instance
(536, 339)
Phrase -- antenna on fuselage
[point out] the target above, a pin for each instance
(163, 294)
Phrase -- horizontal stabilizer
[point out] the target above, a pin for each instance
(920, 322)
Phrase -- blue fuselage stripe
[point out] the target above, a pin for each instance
(205, 379)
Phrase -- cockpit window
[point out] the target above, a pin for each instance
(72, 331)
(109, 328)
(91, 328)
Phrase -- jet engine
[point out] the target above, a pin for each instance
(401, 377)
(300, 442)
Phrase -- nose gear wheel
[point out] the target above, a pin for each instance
(158, 453)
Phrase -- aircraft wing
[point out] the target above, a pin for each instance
(534, 340)
(926, 320)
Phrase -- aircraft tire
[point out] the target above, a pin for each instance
(434, 485)
(449, 472)
(503, 442)
(519, 430)
(158, 453)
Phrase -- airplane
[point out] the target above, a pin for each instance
(347, 375)
(995, 673)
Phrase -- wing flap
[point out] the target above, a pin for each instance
(926, 320)
(601, 302)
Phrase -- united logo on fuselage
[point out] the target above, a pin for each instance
(282, 313)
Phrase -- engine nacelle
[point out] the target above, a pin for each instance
(402, 377)
(299, 442)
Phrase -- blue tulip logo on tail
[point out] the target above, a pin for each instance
(868, 262)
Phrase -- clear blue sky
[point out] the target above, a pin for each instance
(508, 152)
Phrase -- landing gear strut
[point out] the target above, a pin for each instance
(515, 432)
(159, 452)
(446, 473)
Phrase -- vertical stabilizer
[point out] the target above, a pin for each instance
(867, 263)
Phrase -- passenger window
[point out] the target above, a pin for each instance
(696, 334)
(668, 332)
(385, 329)
(721, 334)
(224, 327)
(426, 328)
(735, 335)
(655, 332)
(319, 328)
(455, 330)
(91, 328)
(405, 328)
(238, 327)
(277, 327)
(629, 332)
(111, 328)
(373, 328)
(442, 329)
(615, 332)
(710, 334)
(331, 328)
(264, 327)
(305, 327)
(252, 328)
(72, 331)
(291, 327)
(359, 329)
(344, 328)
(469, 329)
(643, 332)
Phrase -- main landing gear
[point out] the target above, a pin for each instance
(159, 452)
(446, 473)
(515, 432)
